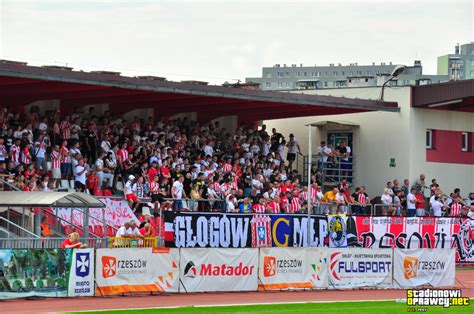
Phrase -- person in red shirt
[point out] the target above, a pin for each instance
(420, 204)
(146, 230)
(92, 183)
(165, 172)
(153, 171)
(72, 242)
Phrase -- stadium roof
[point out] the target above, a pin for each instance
(21, 84)
(456, 96)
(49, 199)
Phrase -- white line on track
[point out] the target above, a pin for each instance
(238, 304)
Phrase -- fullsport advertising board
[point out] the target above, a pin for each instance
(359, 267)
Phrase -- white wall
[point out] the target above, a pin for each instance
(449, 176)
(384, 135)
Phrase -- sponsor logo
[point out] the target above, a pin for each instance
(211, 270)
(82, 264)
(190, 270)
(412, 266)
(109, 266)
(441, 297)
(261, 233)
(269, 266)
(273, 266)
(365, 266)
(337, 231)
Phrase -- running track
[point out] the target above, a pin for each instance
(464, 281)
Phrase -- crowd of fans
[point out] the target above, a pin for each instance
(182, 163)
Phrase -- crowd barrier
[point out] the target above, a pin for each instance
(219, 230)
(117, 271)
(133, 242)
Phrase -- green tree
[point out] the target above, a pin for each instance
(29, 283)
(17, 285)
(39, 284)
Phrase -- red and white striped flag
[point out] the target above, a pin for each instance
(261, 235)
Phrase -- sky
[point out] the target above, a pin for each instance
(219, 41)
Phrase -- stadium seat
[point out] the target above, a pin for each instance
(99, 231)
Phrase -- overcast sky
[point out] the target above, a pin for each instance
(219, 41)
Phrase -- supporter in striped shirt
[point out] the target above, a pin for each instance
(274, 205)
(55, 157)
(65, 127)
(25, 154)
(455, 208)
(65, 161)
(261, 207)
(15, 151)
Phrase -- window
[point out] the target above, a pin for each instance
(280, 74)
(268, 75)
(325, 83)
(287, 74)
(288, 84)
(313, 74)
(318, 74)
(359, 72)
(369, 72)
(343, 73)
(429, 139)
(305, 74)
(326, 74)
(280, 84)
(268, 84)
(465, 142)
(297, 74)
(472, 72)
(335, 73)
(352, 73)
(472, 62)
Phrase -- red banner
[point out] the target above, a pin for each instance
(413, 232)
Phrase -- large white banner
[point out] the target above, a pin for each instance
(116, 212)
(435, 267)
(360, 267)
(292, 268)
(138, 270)
(81, 274)
(215, 269)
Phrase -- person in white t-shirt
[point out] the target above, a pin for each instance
(387, 201)
(177, 191)
(129, 191)
(411, 203)
(437, 207)
(80, 176)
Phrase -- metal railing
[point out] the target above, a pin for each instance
(332, 171)
(115, 242)
(47, 243)
(18, 230)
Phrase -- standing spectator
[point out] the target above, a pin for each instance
(178, 193)
(406, 187)
(65, 160)
(293, 149)
(65, 128)
(411, 203)
(420, 204)
(456, 207)
(55, 157)
(130, 189)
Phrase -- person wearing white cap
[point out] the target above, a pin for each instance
(129, 191)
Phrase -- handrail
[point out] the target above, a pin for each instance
(9, 184)
(118, 242)
(19, 227)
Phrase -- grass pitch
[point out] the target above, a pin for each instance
(376, 307)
